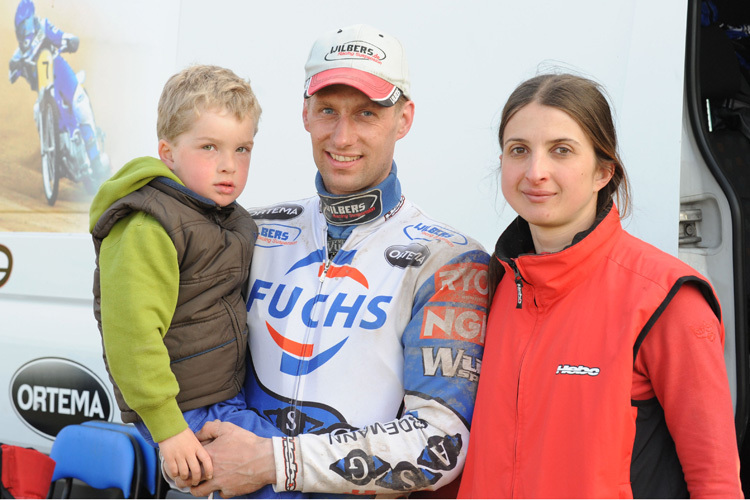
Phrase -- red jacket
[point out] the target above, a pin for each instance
(554, 416)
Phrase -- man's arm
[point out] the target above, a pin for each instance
(424, 448)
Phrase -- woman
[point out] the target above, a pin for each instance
(603, 372)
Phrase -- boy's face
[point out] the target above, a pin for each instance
(213, 157)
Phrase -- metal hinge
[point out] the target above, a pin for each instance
(689, 228)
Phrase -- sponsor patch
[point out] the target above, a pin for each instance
(441, 453)
(434, 232)
(284, 211)
(277, 235)
(290, 463)
(404, 256)
(351, 210)
(455, 323)
(356, 49)
(466, 283)
(441, 359)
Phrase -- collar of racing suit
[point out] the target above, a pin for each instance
(378, 200)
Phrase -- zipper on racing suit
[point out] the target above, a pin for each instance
(325, 265)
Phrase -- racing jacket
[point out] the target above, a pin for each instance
(23, 62)
(554, 408)
(365, 365)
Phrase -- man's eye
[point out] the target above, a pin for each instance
(368, 113)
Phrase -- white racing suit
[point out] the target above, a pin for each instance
(365, 365)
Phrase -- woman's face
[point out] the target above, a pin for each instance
(550, 174)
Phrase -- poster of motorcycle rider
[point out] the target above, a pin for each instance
(61, 109)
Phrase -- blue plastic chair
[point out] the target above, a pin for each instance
(101, 458)
(150, 456)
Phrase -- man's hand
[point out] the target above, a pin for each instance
(183, 456)
(243, 462)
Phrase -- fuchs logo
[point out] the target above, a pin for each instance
(353, 209)
(405, 256)
(356, 49)
(50, 393)
(576, 370)
(278, 212)
(277, 235)
(430, 232)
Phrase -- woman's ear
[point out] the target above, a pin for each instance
(604, 174)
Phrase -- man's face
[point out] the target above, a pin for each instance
(353, 138)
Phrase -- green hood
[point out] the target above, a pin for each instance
(131, 177)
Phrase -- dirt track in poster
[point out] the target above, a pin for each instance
(23, 206)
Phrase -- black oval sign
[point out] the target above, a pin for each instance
(50, 393)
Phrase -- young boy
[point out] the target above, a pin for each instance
(173, 258)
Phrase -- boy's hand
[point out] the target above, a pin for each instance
(183, 456)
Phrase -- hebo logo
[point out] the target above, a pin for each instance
(50, 393)
(576, 370)
(349, 307)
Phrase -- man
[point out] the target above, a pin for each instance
(366, 317)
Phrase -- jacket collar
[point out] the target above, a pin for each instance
(553, 274)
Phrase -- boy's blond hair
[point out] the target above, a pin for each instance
(199, 88)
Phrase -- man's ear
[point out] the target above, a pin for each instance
(406, 119)
(166, 153)
(304, 114)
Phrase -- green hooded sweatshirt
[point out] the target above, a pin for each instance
(139, 279)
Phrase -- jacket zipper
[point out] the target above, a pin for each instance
(519, 284)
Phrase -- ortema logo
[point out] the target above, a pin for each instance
(576, 370)
(342, 310)
(278, 212)
(429, 232)
(356, 49)
(277, 235)
(405, 256)
(50, 393)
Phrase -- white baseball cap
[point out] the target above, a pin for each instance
(362, 57)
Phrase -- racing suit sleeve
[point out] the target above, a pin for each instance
(15, 66)
(139, 277)
(425, 446)
(683, 359)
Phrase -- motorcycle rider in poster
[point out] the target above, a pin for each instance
(70, 140)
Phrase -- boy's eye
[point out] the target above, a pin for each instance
(242, 149)
(209, 147)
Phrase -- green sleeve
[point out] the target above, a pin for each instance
(139, 276)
